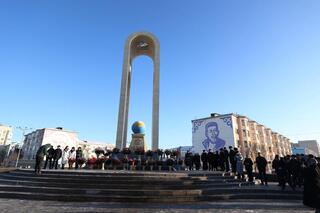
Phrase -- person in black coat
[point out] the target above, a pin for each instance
(42, 151)
(49, 157)
(311, 192)
(294, 171)
(248, 165)
(226, 155)
(57, 156)
(216, 161)
(79, 154)
(196, 160)
(188, 160)
(204, 159)
(300, 172)
(275, 166)
(232, 154)
(210, 159)
(283, 173)
(222, 160)
(261, 165)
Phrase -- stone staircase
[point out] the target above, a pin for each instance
(134, 186)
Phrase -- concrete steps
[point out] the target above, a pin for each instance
(132, 186)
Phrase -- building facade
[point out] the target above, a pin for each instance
(311, 147)
(57, 136)
(250, 137)
(54, 136)
(5, 135)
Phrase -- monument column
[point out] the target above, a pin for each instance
(141, 43)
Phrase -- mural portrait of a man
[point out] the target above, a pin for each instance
(212, 140)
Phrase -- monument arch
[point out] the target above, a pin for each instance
(140, 43)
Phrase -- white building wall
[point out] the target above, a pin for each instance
(57, 137)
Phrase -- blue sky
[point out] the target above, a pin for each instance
(61, 63)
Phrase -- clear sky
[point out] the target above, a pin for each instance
(61, 63)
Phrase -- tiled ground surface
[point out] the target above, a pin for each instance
(24, 206)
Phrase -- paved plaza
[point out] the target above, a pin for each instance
(159, 192)
(24, 206)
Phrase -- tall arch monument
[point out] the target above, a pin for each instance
(140, 43)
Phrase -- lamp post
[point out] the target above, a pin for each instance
(23, 129)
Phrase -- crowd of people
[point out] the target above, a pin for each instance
(52, 157)
(289, 169)
(295, 170)
(228, 161)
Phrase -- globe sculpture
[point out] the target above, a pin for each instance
(138, 127)
(138, 141)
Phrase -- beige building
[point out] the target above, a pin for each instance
(5, 135)
(255, 137)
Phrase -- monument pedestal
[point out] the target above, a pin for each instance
(138, 142)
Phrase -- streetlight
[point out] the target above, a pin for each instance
(23, 129)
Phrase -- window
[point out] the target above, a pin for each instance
(244, 132)
(243, 123)
(246, 144)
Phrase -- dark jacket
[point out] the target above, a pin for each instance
(275, 164)
(50, 153)
(78, 154)
(42, 151)
(311, 192)
(57, 153)
(226, 154)
(232, 154)
(261, 163)
(204, 157)
(248, 164)
(210, 157)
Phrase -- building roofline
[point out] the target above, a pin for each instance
(54, 129)
(218, 116)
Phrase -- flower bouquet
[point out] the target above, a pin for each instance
(91, 162)
(71, 161)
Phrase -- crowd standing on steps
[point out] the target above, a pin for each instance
(296, 171)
